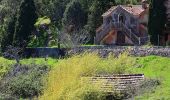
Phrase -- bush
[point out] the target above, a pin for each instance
(65, 80)
(23, 81)
(148, 85)
(4, 67)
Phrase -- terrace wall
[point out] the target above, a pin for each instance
(44, 52)
(103, 51)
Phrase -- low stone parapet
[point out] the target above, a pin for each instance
(112, 83)
(104, 51)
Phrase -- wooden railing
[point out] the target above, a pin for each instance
(115, 82)
(120, 26)
(105, 30)
(135, 39)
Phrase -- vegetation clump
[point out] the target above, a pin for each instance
(23, 81)
(42, 21)
(64, 81)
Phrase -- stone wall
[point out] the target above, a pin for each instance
(44, 52)
(103, 51)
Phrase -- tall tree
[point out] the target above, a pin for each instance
(25, 25)
(54, 9)
(8, 36)
(8, 11)
(98, 7)
(74, 15)
(157, 19)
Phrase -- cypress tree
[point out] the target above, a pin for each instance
(95, 19)
(25, 25)
(157, 20)
(74, 15)
(8, 36)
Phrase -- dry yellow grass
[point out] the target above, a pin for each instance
(64, 81)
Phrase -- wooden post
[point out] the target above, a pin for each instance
(139, 41)
(158, 39)
(58, 44)
(149, 38)
(130, 34)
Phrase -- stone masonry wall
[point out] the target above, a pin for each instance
(103, 51)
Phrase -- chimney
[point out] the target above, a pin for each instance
(130, 5)
(144, 4)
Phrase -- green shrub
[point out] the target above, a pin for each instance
(4, 66)
(42, 21)
(148, 85)
(23, 81)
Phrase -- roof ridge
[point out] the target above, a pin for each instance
(134, 9)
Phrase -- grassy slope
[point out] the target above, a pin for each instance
(65, 80)
(151, 66)
(5, 64)
(156, 67)
(51, 62)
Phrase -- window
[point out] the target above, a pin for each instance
(115, 17)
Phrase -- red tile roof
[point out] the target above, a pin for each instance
(134, 10)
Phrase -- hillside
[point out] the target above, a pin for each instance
(155, 68)
(158, 68)
(84, 50)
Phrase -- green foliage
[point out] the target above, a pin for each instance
(25, 23)
(27, 79)
(23, 81)
(149, 84)
(4, 67)
(39, 38)
(74, 15)
(64, 81)
(40, 61)
(52, 8)
(7, 39)
(65, 76)
(127, 2)
(42, 21)
(157, 20)
(9, 10)
(17, 19)
(96, 9)
(157, 68)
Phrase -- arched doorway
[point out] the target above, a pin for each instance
(120, 38)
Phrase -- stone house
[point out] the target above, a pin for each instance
(124, 25)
